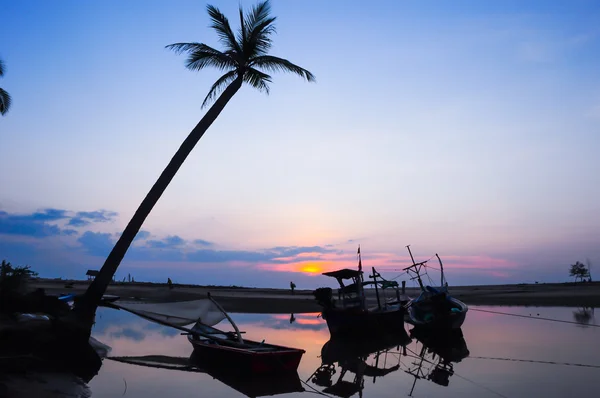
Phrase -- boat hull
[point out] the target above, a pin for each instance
(279, 359)
(353, 322)
(441, 320)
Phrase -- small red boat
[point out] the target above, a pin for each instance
(225, 348)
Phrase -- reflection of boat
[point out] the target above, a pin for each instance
(434, 307)
(439, 350)
(249, 384)
(349, 314)
(361, 357)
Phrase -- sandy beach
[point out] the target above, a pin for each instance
(258, 300)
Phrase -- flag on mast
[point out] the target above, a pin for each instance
(359, 260)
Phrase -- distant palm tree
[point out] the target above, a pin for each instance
(4, 97)
(244, 55)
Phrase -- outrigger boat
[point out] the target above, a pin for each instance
(350, 313)
(434, 307)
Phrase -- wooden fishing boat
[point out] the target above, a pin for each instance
(224, 348)
(350, 314)
(434, 307)
(219, 347)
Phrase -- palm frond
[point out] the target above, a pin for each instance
(259, 40)
(259, 26)
(242, 33)
(220, 24)
(218, 86)
(257, 79)
(5, 102)
(276, 64)
(258, 15)
(200, 56)
(1, 68)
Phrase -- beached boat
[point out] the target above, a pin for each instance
(350, 314)
(434, 307)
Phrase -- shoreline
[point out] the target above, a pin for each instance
(278, 301)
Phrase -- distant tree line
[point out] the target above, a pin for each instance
(580, 271)
(13, 278)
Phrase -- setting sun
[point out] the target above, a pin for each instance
(311, 268)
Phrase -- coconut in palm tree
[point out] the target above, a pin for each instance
(244, 59)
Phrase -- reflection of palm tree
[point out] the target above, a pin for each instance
(584, 316)
(4, 97)
(244, 59)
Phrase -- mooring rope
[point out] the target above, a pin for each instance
(534, 317)
(535, 361)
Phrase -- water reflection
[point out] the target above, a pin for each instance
(359, 357)
(584, 316)
(250, 385)
(354, 359)
(495, 356)
(38, 360)
(438, 353)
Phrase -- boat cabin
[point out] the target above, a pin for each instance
(351, 295)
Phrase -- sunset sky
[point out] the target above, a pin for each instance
(466, 128)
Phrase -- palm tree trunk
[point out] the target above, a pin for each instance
(86, 307)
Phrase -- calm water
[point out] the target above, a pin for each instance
(491, 339)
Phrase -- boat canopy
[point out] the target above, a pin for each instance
(344, 273)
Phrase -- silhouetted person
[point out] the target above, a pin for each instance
(170, 283)
(292, 318)
(292, 286)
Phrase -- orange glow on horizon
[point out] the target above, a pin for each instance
(312, 268)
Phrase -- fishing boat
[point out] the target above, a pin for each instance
(434, 307)
(215, 345)
(351, 314)
(226, 348)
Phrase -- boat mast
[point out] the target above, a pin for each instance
(376, 290)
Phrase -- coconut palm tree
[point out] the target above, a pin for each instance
(244, 59)
(4, 97)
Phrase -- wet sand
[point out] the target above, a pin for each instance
(258, 300)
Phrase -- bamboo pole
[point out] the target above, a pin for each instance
(239, 335)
